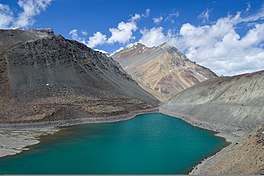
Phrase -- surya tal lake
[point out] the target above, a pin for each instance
(147, 144)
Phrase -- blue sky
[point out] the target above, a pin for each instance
(226, 36)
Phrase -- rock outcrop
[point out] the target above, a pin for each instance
(44, 77)
(236, 101)
(163, 71)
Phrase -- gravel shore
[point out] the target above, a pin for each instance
(232, 135)
(15, 138)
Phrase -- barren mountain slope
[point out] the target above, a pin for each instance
(47, 77)
(230, 105)
(245, 157)
(232, 101)
(163, 71)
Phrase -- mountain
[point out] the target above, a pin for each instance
(163, 71)
(236, 101)
(45, 77)
(232, 106)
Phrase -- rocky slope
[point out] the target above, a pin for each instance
(245, 157)
(236, 101)
(163, 71)
(233, 106)
(45, 77)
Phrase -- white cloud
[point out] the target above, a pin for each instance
(254, 17)
(153, 37)
(135, 17)
(221, 48)
(30, 9)
(217, 46)
(75, 36)
(6, 16)
(123, 33)
(157, 20)
(97, 39)
(204, 16)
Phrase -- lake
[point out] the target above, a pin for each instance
(147, 144)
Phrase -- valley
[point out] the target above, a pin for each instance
(49, 82)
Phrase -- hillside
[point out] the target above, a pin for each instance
(231, 101)
(45, 77)
(245, 157)
(163, 70)
(232, 106)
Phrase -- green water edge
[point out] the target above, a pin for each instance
(152, 143)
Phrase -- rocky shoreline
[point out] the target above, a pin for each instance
(232, 135)
(15, 138)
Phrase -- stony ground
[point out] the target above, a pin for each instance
(16, 141)
(243, 157)
(229, 105)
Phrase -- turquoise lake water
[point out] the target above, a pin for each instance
(148, 144)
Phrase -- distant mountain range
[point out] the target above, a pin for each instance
(163, 70)
(45, 77)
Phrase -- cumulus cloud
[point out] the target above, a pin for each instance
(30, 9)
(97, 39)
(124, 31)
(122, 34)
(157, 20)
(221, 48)
(217, 46)
(153, 37)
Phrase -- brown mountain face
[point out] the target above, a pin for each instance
(163, 71)
(45, 77)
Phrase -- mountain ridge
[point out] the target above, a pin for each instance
(161, 70)
(47, 77)
(233, 101)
